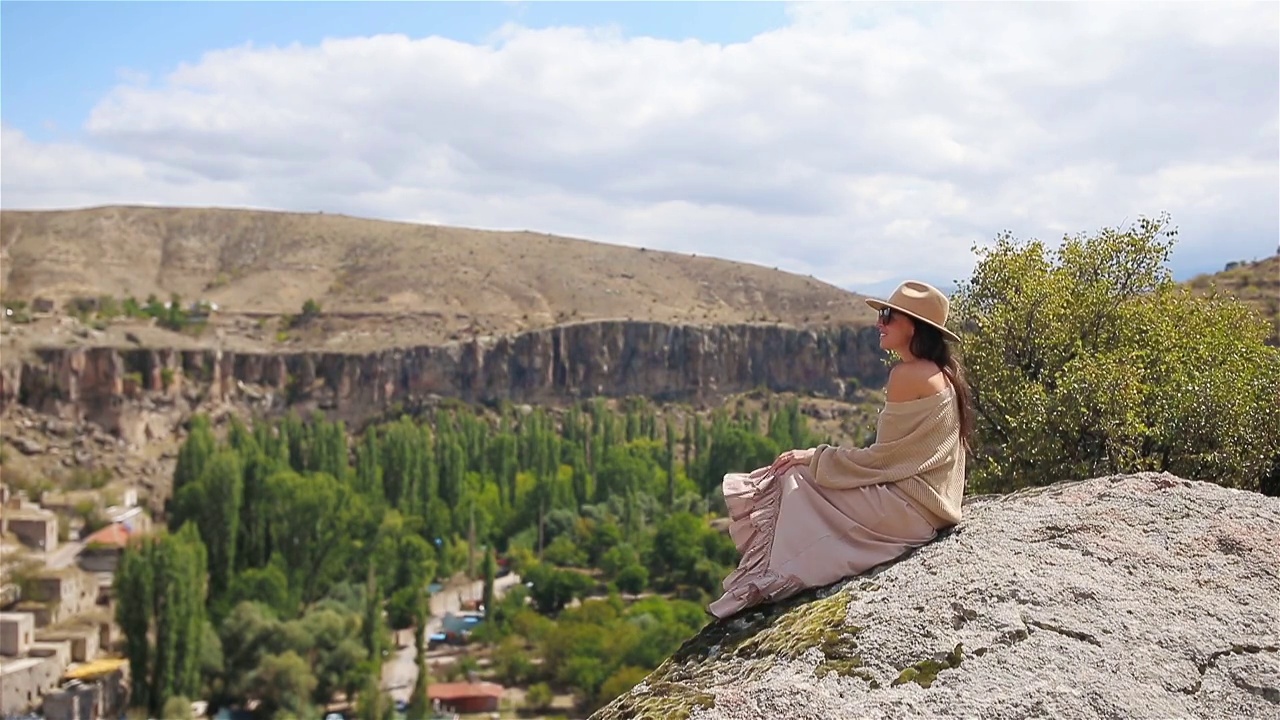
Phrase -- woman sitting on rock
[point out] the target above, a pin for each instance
(818, 515)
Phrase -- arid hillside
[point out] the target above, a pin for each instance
(1255, 283)
(425, 283)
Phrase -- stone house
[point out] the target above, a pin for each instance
(17, 632)
(102, 549)
(84, 639)
(60, 594)
(24, 681)
(69, 501)
(96, 690)
(34, 527)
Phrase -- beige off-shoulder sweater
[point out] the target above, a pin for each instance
(917, 446)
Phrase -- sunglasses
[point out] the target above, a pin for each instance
(886, 316)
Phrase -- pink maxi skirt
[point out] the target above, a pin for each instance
(795, 534)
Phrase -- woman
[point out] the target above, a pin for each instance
(818, 515)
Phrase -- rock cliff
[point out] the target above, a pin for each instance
(661, 361)
(1142, 596)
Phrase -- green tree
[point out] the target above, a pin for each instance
(1089, 360)
(161, 586)
(213, 503)
(419, 702)
(283, 682)
(490, 573)
(313, 519)
(194, 453)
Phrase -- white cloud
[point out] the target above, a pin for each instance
(861, 143)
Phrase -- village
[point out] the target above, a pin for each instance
(58, 633)
(57, 627)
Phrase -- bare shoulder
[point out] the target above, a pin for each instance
(914, 380)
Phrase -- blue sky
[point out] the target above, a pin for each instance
(856, 142)
(59, 58)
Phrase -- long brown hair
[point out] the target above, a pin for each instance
(929, 344)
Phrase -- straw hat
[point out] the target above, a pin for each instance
(921, 301)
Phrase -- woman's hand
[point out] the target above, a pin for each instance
(790, 459)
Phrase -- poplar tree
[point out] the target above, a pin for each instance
(161, 591)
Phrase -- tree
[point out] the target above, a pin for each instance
(312, 519)
(490, 572)
(283, 682)
(538, 697)
(194, 453)
(1089, 360)
(419, 701)
(161, 585)
(213, 503)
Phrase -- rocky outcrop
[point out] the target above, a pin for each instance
(665, 362)
(1141, 596)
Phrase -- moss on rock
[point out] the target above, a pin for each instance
(656, 701)
(925, 672)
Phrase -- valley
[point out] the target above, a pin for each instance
(135, 336)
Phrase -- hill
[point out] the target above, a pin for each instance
(426, 282)
(1254, 283)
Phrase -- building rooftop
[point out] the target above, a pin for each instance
(19, 665)
(114, 535)
(29, 513)
(95, 669)
(65, 632)
(456, 691)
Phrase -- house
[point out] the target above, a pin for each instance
(94, 690)
(466, 697)
(34, 527)
(17, 632)
(58, 594)
(133, 517)
(24, 681)
(103, 548)
(69, 502)
(83, 638)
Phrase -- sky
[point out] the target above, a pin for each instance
(860, 143)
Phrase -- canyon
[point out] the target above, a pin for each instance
(665, 362)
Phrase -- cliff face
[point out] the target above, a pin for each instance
(1141, 596)
(665, 362)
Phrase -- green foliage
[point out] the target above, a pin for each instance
(419, 702)
(553, 588)
(310, 311)
(160, 585)
(1089, 360)
(538, 697)
(320, 542)
(177, 708)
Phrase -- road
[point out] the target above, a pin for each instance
(400, 671)
(64, 555)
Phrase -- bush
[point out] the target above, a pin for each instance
(538, 697)
(1089, 360)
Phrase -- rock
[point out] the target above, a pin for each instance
(58, 427)
(562, 363)
(27, 446)
(1138, 596)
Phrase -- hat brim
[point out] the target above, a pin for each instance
(881, 304)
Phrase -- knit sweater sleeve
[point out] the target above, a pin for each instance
(909, 442)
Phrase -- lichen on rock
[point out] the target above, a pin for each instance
(1128, 596)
